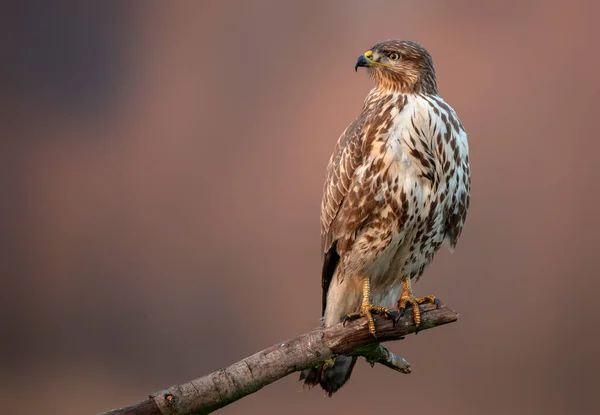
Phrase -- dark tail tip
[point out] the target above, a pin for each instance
(311, 376)
(330, 378)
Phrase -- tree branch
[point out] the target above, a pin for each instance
(220, 388)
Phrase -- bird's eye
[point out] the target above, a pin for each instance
(394, 56)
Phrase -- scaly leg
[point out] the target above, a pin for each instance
(407, 298)
(367, 309)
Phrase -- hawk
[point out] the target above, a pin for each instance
(397, 186)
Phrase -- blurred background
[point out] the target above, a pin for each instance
(162, 166)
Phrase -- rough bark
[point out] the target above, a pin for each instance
(218, 389)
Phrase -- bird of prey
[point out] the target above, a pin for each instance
(397, 186)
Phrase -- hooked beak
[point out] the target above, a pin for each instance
(364, 60)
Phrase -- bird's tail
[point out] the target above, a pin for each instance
(331, 378)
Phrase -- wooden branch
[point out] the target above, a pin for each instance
(218, 389)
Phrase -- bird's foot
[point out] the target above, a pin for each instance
(407, 299)
(368, 310)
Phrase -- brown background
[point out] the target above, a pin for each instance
(162, 166)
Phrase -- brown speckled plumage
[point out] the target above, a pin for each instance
(397, 186)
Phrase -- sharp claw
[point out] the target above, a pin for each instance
(437, 303)
(373, 336)
(396, 317)
(393, 316)
(402, 310)
(344, 321)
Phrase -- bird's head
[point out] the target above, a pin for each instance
(400, 66)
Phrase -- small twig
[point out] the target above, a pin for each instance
(218, 389)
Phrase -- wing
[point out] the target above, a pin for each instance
(347, 156)
(452, 150)
(459, 188)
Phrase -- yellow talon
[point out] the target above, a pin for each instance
(367, 309)
(407, 298)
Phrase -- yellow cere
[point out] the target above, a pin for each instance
(369, 55)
